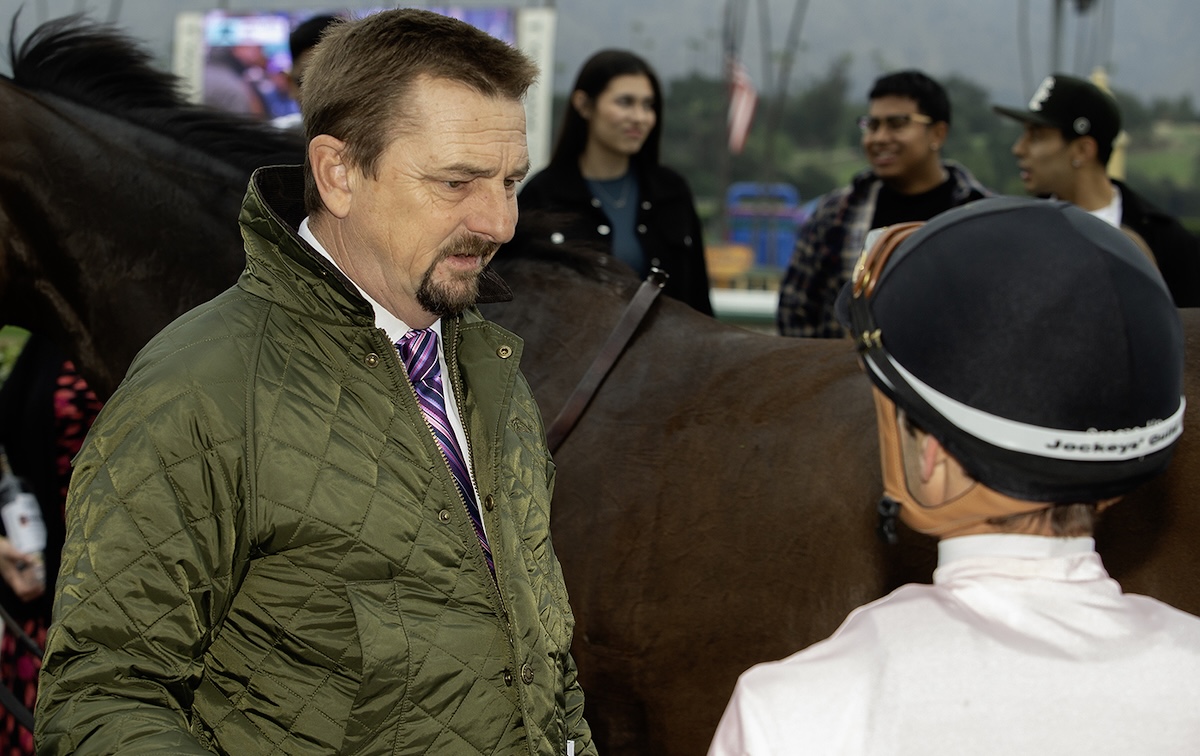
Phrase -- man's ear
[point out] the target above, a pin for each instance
(582, 104)
(942, 476)
(1085, 149)
(332, 173)
(932, 455)
(939, 131)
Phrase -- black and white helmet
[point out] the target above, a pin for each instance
(1036, 342)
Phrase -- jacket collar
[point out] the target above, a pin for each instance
(1133, 208)
(965, 184)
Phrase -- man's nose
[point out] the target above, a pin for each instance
(494, 215)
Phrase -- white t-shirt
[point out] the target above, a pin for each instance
(1023, 645)
(1111, 213)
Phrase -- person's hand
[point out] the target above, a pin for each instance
(20, 572)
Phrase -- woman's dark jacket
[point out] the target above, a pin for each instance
(557, 207)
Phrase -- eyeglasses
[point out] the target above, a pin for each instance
(871, 124)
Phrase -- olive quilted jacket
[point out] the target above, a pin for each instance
(266, 553)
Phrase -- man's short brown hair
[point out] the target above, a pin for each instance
(362, 71)
(1058, 520)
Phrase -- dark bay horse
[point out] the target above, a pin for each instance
(118, 200)
(715, 504)
(715, 507)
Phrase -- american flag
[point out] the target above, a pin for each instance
(742, 101)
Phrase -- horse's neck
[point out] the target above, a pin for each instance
(563, 316)
(111, 230)
(143, 144)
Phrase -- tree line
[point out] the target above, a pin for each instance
(816, 144)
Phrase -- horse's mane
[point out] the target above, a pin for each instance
(597, 265)
(97, 66)
(532, 243)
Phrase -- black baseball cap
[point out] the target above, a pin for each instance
(1036, 342)
(1074, 106)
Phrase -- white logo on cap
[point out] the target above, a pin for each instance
(1081, 125)
(1042, 94)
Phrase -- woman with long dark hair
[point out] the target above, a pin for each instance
(605, 186)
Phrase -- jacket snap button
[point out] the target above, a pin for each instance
(603, 229)
(641, 228)
(489, 503)
(557, 238)
(595, 202)
(371, 360)
(508, 677)
(526, 674)
(504, 352)
(444, 515)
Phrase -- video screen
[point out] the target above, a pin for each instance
(247, 60)
(246, 63)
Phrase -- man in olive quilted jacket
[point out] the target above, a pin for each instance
(281, 543)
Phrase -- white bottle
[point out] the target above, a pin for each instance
(22, 519)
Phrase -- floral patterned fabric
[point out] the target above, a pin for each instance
(45, 385)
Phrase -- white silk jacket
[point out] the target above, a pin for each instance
(1022, 645)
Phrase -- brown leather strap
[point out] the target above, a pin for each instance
(579, 399)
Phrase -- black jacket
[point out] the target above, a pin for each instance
(557, 207)
(1176, 250)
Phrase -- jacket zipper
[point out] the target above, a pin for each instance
(451, 359)
(460, 401)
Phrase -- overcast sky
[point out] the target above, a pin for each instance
(1151, 48)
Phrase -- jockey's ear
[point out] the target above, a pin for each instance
(331, 171)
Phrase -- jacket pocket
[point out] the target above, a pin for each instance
(377, 712)
(550, 592)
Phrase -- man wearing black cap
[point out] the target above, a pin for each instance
(1070, 127)
(1027, 367)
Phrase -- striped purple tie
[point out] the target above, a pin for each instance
(418, 351)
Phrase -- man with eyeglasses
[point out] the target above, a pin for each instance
(1071, 126)
(1026, 363)
(902, 136)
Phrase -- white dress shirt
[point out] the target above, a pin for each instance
(395, 328)
(1022, 645)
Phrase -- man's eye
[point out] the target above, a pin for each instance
(455, 184)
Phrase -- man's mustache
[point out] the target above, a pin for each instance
(472, 246)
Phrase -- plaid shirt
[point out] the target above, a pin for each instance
(828, 246)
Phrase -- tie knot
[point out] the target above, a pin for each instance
(418, 352)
